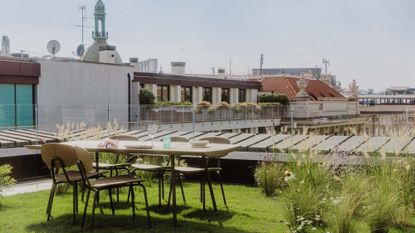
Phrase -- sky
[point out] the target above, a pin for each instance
(371, 41)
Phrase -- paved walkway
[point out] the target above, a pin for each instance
(28, 187)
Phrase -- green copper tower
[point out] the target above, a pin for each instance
(100, 32)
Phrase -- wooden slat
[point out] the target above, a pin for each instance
(6, 143)
(214, 134)
(190, 135)
(32, 138)
(230, 135)
(352, 143)
(396, 145)
(373, 144)
(309, 142)
(289, 142)
(271, 141)
(241, 137)
(49, 136)
(17, 142)
(253, 140)
(330, 143)
(411, 147)
(157, 135)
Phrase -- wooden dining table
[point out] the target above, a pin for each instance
(177, 149)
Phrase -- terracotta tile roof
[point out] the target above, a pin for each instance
(287, 85)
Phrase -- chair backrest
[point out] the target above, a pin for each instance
(121, 137)
(217, 140)
(84, 156)
(64, 153)
(179, 139)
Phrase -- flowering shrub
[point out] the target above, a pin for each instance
(5, 179)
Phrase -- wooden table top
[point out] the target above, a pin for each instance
(177, 148)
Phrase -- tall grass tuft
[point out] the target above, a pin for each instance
(269, 176)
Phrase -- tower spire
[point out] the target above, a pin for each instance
(100, 32)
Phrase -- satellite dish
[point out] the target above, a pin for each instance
(53, 47)
(80, 50)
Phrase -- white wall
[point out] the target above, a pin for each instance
(72, 91)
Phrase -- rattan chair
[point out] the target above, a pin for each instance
(217, 169)
(106, 184)
(59, 158)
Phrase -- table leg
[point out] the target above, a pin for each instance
(97, 161)
(212, 194)
(173, 186)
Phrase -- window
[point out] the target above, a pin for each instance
(225, 95)
(187, 94)
(207, 94)
(242, 95)
(163, 93)
(16, 105)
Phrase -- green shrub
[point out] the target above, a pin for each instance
(146, 96)
(170, 103)
(305, 194)
(269, 176)
(272, 98)
(5, 179)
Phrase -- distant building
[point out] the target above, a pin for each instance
(148, 66)
(18, 88)
(5, 47)
(100, 51)
(400, 91)
(313, 72)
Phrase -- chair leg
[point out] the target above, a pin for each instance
(203, 193)
(50, 203)
(146, 201)
(162, 185)
(74, 203)
(132, 200)
(111, 202)
(117, 189)
(223, 191)
(181, 187)
(128, 197)
(86, 207)
(170, 192)
(160, 190)
(94, 205)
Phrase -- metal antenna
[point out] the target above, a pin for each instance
(230, 66)
(261, 63)
(326, 63)
(82, 8)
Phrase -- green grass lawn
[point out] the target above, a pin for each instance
(249, 211)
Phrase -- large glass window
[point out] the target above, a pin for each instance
(242, 95)
(207, 94)
(24, 105)
(16, 105)
(187, 94)
(7, 107)
(225, 95)
(163, 93)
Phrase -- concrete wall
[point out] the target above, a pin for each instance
(326, 108)
(72, 91)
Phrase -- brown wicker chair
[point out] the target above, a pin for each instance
(108, 184)
(59, 158)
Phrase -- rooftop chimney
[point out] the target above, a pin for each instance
(178, 67)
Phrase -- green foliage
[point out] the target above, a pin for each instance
(5, 179)
(269, 176)
(146, 96)
(272, 98)
(170, 103)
